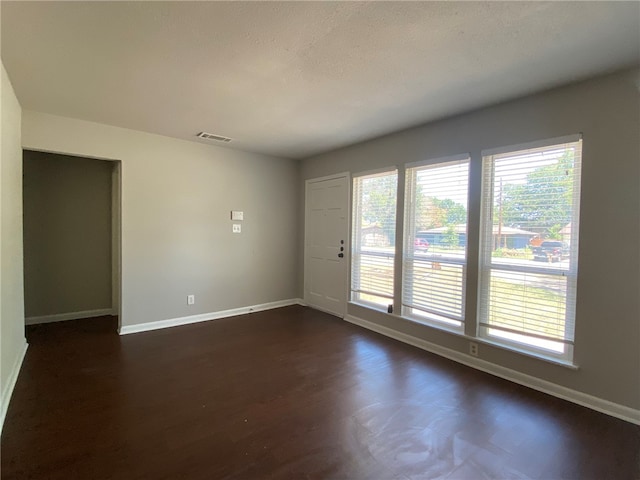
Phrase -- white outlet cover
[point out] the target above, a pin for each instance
(237, 228)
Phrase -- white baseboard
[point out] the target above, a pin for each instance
(204, 317)
(61, 317)
(324, 310)
(11, 383)
(604, 406)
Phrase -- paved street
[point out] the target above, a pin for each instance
(381, 259)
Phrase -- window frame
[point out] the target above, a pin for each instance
(486, 264)
(356, 237)
(408, 254)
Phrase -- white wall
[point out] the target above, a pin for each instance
(176, 227)
(606, 111)
(12, 341)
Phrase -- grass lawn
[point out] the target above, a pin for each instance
(516, 304)
(527, 308)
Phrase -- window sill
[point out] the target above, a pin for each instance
(481, 340)
(485, 341)
(423, 323)
(370, 306)
(538, 356)
(432, 324)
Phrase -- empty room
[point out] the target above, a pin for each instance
(320, 240)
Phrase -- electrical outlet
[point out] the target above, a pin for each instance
(191, 299)
(473, 349)
(237, 228)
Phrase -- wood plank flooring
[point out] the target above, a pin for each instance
(290, 393)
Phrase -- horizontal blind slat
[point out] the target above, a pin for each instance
(373, 237)
(434, 263)
(527, 287)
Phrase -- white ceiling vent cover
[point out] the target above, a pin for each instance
(211, 136)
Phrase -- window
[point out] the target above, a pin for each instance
(435, 241)
(529, 246)
(373, 238)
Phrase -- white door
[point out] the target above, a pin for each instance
(326, 256)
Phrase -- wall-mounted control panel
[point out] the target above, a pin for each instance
(237, 215)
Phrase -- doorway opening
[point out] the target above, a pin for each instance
(72, 238)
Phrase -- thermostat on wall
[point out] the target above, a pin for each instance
(237, 215)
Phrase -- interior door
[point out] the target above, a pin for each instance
(326, 238)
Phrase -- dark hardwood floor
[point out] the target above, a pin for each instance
(290, 393)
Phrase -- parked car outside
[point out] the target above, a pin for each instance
(421, 244)
(551, 251)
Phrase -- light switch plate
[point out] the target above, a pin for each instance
(237, 215)
(237, 228)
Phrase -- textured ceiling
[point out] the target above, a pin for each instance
(300, 78)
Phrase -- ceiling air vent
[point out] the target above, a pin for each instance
(211, 136)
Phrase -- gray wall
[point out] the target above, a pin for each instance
(177, 240)
(67, 234)
(12, 341)
(176, 227)
(606, 110)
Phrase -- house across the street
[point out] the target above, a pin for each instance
(508, 237)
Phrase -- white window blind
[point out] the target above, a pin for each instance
(373, 238)
(435, 258)
(529, 247)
